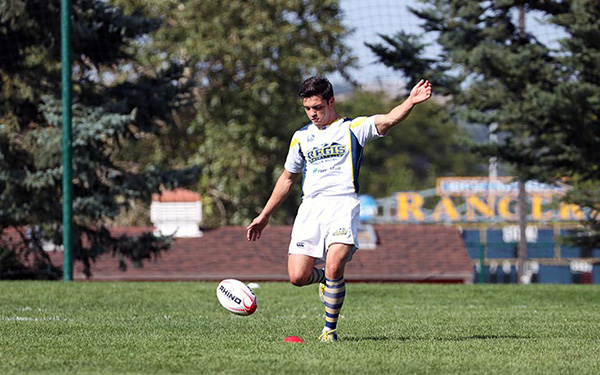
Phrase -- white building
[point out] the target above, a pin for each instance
(177, 212)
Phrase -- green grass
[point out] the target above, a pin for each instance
(179, 328)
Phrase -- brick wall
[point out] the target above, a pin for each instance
(404, 253)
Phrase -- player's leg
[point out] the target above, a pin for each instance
(337, 257)
(341, 243)
(335, 287)
(307, 246)
(302, 270)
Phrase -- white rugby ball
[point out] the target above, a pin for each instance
(236, 297)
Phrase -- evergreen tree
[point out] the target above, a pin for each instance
(544, 100)
(117, 101)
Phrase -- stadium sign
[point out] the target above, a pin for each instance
(478, 199)
(464, 186)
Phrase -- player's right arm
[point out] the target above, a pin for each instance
(280, 192)
(420, 93)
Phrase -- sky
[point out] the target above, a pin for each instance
(368, 19)
(387, 17)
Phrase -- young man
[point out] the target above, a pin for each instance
(327, 152)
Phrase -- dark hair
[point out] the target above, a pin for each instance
(315, 86)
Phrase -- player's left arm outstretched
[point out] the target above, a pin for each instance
(420, 93)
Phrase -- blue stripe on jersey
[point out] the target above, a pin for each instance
(305, 127)
(357, 151)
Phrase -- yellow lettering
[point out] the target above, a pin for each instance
(445, 208)
(570, 210)
(486, 209)
(504, 208)
(537, 202)
(409, 205)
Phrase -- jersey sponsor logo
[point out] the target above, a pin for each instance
(340, 232)
(323, 170)
(326, 151)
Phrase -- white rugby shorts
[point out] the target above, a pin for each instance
(322, 221)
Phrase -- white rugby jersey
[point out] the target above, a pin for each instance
(329, 159)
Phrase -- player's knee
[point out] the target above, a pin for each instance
(299, 279)
(334, 270)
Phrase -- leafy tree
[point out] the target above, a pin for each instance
(248, 59)
(428, 144)
(116, 101)
(545, 99)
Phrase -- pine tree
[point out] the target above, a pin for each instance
(117, 101)
(545, 100)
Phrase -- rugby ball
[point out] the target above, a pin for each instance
(236, 297)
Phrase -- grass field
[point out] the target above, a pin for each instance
(179, 328)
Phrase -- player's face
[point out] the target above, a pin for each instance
(318, 110)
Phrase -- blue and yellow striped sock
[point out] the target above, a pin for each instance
(317, 276)
(335, 291)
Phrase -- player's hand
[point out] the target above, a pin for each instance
(421, 92)
(254, 230)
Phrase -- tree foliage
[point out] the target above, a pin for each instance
(248, 60)
(545, 99)
(117, 101)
